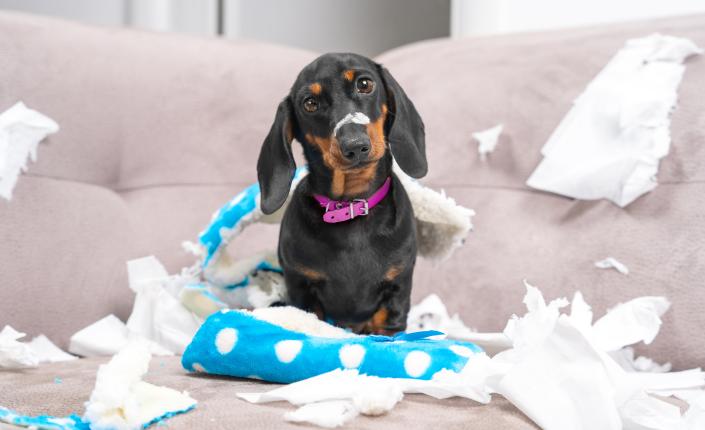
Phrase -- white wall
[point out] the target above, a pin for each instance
(504, 16)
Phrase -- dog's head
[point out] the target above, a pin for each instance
(348, 112)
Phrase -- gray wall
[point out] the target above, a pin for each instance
(367, 27)
(101, 12)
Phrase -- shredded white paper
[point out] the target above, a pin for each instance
(487, 140)
(158, 316)
(13, 353)
(18, 355)
(569, 357)
(610, 143)
(21, 130)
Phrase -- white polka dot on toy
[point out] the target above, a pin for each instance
(416, 363)
(225, 340)
(351, 355)
(462, 351)
(287, 350)
(198, 367)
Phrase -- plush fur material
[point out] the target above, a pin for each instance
(287, 345)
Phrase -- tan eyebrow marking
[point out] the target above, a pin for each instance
(315, 88)
(349, 75)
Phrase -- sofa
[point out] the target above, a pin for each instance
(159, 130)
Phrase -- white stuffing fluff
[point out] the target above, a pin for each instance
(441, 224)
(295, 319)
(122, 401)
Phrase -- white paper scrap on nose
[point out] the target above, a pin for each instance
(357, 118)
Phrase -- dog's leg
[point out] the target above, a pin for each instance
(391, 317)
(299, 289)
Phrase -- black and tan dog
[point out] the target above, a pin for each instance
(351, 116)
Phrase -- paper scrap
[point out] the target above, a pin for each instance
(487, 140)
(329, 414)
(21, 130)
(18, 355)
(13, 353)
(612, 263)
(158, 316)
(637, 320)
(626, 358)
(569, 357)
(122, 401)
(47, 352)
(610, 142)
(105, 337)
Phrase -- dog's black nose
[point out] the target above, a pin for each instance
(356, 149)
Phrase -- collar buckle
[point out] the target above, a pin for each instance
(365, 206)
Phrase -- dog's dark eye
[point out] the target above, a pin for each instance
(365, 85)
(310, 104)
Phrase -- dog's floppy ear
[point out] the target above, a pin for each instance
(276, 166)
(404, 129)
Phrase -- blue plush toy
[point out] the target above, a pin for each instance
(285, 344)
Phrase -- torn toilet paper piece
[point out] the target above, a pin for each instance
(610, 143)
(122, 401)
(18, 355)
(13, 353)
(106, 337)
(158, 316)
(566, 355)
(582, 386)
(329, 414)
(628, 360)
(612, 263)
(487, 140)
(637, 320)
(47, 352)
(335, 413)
(21, 130)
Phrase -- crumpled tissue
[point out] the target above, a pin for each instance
(158, 315)
(21, 130)
(610, 143)
(487, 140)
(558, 370)
(18, 355)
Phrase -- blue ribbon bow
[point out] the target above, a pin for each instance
(417, 335)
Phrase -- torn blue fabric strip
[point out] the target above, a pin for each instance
(232, 215)
(71, 422)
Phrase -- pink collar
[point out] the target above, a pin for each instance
(341, 210)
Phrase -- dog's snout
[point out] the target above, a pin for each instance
(354, 143)
(355, 149)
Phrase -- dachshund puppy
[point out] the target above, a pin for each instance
(348, 237)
